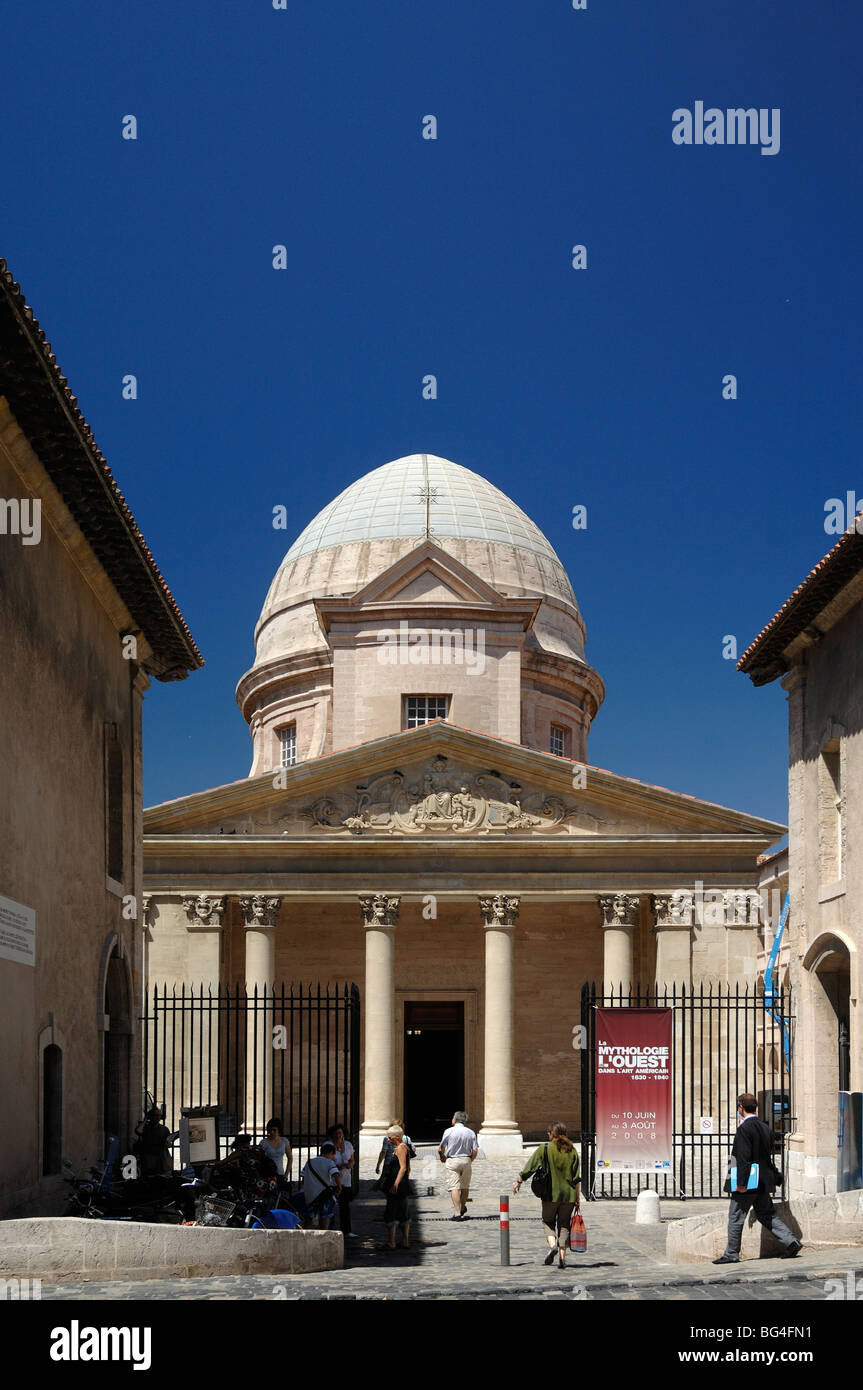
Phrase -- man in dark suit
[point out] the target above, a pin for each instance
(753, 1144)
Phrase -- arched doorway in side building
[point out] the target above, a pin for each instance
(434, 1065)
(829, 962)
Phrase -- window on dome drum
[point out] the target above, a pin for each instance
(422, 709)
(288, 746)
(557, 740)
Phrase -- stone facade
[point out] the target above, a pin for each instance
(814, 644)
(473, 867)
(70, 751)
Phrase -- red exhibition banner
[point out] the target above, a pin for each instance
(633, 1091)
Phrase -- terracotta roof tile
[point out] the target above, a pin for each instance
(47, 411)
(763, 659)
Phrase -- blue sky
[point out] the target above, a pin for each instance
(405, 257)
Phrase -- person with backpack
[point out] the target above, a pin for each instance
(756, 1179)
(556, 1172)
(321, 1186)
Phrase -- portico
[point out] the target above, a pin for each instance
(429, 827)
(481, 921)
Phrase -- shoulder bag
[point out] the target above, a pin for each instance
(540, 1183)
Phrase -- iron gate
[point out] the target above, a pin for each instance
(723, 1043)
(292, 1051)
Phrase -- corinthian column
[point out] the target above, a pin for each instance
(619, 918)
(380, 915)
(500, 1133)
(199, 1083)
(260, 915)
(673, 913)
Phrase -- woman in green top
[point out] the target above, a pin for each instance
(563, 1164)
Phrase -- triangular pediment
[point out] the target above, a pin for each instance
(424, 580)
(428, 586)
(440, 783)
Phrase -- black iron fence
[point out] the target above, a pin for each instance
(724, 1042)
(292, 1051)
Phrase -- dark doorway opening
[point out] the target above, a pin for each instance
(434, 1066)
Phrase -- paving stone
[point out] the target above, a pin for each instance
(451, 1260)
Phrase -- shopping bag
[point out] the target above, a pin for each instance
(577, 1233)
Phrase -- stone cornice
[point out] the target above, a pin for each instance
(315, 887)
(566, 848)
(315, 664)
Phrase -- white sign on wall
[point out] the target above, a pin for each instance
(17, 932)
(705, 1125)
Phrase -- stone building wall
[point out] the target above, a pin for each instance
(825, 696)
(64, 679)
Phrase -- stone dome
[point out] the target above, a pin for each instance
(374, 523)
(384, 514)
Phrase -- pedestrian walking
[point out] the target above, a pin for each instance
(458, 1148)
(560, 1157)
(394, 1182)
(344, 1161)
(753, 1151)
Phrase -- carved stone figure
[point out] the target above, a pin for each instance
(480, 803)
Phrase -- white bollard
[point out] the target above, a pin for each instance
(647, 1208)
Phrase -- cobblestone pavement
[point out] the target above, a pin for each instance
(451, 1260)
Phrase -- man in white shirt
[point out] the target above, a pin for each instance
(458, 1148)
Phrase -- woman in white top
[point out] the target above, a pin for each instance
(278, 1148)
(344, 1160)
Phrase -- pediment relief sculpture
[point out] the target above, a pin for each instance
(449, 799)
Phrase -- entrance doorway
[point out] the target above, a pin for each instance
(434, 1066)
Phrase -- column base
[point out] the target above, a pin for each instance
(369, 1141)
(497, 1143)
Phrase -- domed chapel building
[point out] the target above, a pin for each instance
(421, 817)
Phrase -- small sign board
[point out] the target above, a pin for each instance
(706, 1125)
(17, 932)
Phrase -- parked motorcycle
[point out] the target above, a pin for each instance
(153, 1199)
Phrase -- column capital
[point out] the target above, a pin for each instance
(742, 907)
(499, 911)
(380, 910)
(204, 910)
(672, 910)
(619, 910)
(259, 911)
